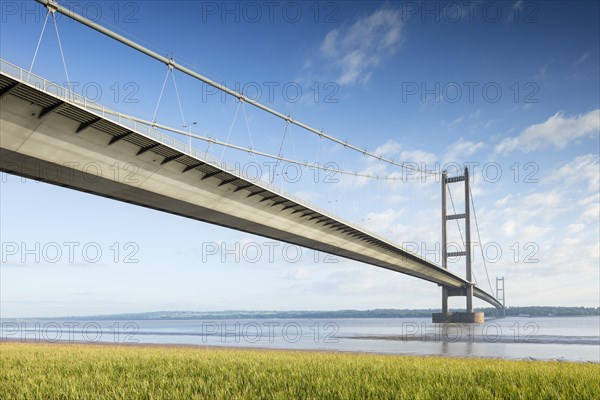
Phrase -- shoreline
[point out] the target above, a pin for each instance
(118, 318)
(186, 346)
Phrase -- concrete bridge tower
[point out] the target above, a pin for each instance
(461, 317)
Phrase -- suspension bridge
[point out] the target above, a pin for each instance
(49, 133)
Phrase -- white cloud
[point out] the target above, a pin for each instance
(329, 45)
(538, 202)
(591, 213)
(301, 273)
(542, 72)
(476, 114)
(558, 131)
(358, 48)
(383, 221)
(583, 168)
(551, 229)
(534, 232)
(517, 5)
(387, 149)
(376, 169)
(574, 228)
(420, 157)
(509, 228)
(413, 158)
(582, 58)
(503, 201)
(392, 149)
(461, 149)
(455, 123)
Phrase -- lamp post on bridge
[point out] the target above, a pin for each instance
(189, 126)
(332, 202)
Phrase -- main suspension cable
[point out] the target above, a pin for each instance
(71, 14)
(210, 140)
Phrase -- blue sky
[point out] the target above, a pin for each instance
(510, 87)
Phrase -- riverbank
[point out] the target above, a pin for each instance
(41, 370)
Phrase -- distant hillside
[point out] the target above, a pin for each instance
(533, 311)
(544, 311)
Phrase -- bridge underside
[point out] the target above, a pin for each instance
(46, 138)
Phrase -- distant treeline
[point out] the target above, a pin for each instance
(544, 311)
(533, 311)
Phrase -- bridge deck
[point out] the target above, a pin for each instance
(47, 126)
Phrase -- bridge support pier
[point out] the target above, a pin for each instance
(458, 318)
(468, 317)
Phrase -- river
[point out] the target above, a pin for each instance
(547, 338)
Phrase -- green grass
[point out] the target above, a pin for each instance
(46, 371)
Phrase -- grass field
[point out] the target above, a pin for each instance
(47, 371)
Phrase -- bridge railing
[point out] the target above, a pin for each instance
(148, 130)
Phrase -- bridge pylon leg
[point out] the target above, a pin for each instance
(500, 295)
(444, 300)
(469, 316)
